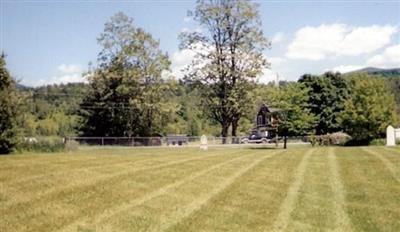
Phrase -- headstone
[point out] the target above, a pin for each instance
(390, 136)
(203, 142)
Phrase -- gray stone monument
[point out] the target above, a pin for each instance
(390, 136)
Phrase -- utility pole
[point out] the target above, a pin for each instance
(277, 80)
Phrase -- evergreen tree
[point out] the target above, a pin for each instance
(9, 105)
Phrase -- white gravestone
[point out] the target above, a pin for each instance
(203, 142)
(390, 136)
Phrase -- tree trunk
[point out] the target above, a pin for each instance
(224, 131)
(149, 131)
(235, 123)
(284, 142)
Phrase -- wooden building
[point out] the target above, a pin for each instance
(266, 125)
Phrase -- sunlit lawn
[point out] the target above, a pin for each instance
(224, 189)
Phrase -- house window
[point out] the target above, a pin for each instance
(259, 120)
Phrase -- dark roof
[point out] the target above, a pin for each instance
(265, 107)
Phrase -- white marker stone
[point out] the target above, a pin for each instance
(390, 136)
(203, 142)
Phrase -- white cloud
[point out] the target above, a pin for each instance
(271, 74)
(67, 74)
(67, 69)
(331, 40)
(187, 19)
(276, 61)
(180, 60)
(346, 68)
(268, 76)
(187, 30)
(390, 58)
(277, 38)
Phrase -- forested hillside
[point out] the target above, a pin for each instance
(52, 110)
(393, 79)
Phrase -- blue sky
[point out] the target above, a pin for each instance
(53, 42)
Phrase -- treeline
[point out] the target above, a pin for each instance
(358, 104)
(131, 93)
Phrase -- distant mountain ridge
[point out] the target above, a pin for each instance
(393, 72)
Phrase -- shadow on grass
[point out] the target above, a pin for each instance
(264, 148)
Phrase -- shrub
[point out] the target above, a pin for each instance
(71, 145)
(378, 142)
(45, 144)
(312, 139)
(337, 138)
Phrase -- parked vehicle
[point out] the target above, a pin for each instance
(257, 137)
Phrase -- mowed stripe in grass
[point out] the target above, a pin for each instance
(56, 183)
(63, 161)
(67, 203)
(373, 194)
(388, 164)
(93, 191)
(306, 189)
(392, 156)
(92, 220)
(32, 159)
(64, 173)
(199, 203)
(287, 207)
(252, 202)
(179, 203)
(321, 197)
(74, 161)
(342, 220)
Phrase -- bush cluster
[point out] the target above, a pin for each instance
(378, 142)
(71, 145)
(44, 144)
(338, 138)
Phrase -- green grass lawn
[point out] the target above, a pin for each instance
(185, 189)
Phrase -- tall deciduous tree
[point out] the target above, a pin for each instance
(229, 56)
(327, 94)
(126, 90)
(9, 106)
(369, 109)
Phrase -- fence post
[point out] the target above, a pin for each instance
(102, 141)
